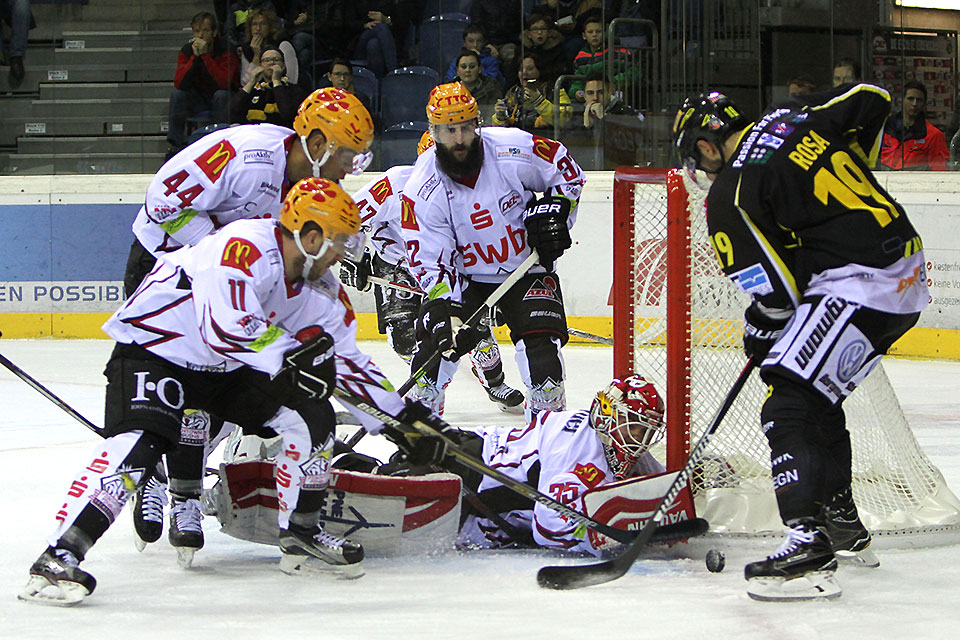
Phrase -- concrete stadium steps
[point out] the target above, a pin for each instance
(57, 145)
(110, 107)
(79, 163)
(172, 39)
(82, 125)
(119, 90)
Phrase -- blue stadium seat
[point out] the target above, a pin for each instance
(407, 90)
(398, 144)
(441, 38)
(365, 82)
(436, 7)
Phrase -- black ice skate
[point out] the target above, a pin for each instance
(313, 550)
(185, 534)
(803, 568)
(848, 537)
(509, 399)
(148, 511)
(57, 579)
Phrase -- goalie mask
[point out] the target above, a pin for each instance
(628, 418)
(344, 122)
(712, 117)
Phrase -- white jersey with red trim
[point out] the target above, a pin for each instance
(379, 203)
(452, 230)
(231, 174)
(571, 461)
(224, 303)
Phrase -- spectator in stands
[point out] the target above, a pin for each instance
(593, 56)
(268, 95)
(602, 101)
(340, 76)
(567, 15)
(500, 19)
(475, 39)
(800, 86)
(237, 15)
(845, 71)
(526, 104)
(262, 29)
(541, 39)
(375, 43)
(207, 70)
(485, 90)
(17, 14)
(909, 141)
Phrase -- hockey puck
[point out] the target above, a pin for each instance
(716, 561)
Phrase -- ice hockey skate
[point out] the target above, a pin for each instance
(509, 399)
(802, 568)
(314, 551)
(185, 533)
(848, 537)
(148, 511)
(56, 579)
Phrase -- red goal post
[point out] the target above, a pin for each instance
(677, 320)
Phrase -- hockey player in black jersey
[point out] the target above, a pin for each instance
(836, 273)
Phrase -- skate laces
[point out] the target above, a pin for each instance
(795, 538)
(66, 558)
(329, 540)
(186, 515)
(501, 391)
(154, 500)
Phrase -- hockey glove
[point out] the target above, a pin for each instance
(311, 368)
(420, 449)
(357, 274)
(547, 232)
(438, 320)
(762, 328)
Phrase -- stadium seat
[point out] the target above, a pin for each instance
(407, 88)
(441, 38)
(398, 144)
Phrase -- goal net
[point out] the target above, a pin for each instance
(678, 321)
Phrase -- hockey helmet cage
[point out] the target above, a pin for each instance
(426, 141)
(628, 418)
(326, 203)
(712, 117)
(451, 103)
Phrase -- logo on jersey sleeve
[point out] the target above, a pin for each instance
(408, 220)
(382, 190)
(214, 160)
(589, 474)
(753, 280)
(545, 148)
(349, 316)
(240, 254)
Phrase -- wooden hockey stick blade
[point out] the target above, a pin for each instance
(578, 576)
(589, 336)
(488, 304)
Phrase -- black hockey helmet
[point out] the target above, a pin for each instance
(712, 117)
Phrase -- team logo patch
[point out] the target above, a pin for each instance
(510, 200)
(851, 360)
(258, 156)
(753, 280)
(510, 152)
(589, 474)
(781, 129)
(408, 220)
(240, 254)
(545, 148)
(770, 140)
(429, 186)
(214, 160)
(381, 190)
(544, 288)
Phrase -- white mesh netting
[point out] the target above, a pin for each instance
(897, 489)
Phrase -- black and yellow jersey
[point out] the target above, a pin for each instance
(797, 204)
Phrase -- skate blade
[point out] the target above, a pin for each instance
(40, 590)
(185, 556)
(865, 559)
(816, 585)
(517, 410)
(294, 565)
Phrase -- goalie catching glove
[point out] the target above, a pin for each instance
(437, 318)
(311, 369)
(357, 274)
(762, 327)
(417, 448)
(547, 232)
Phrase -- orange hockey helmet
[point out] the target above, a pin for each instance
(451, 103)
(344, 122)
(325, 203)
(426, 141)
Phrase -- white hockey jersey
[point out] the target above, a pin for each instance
(231, 174)
(571, 461)
(379, 203)
(224, 303)
(451, 230)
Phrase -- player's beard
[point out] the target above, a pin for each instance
(458, 169)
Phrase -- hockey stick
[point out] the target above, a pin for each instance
(589, 336)
(49, 395)
(683, 529)
(484, 308)
(390, 284)
(577, 576)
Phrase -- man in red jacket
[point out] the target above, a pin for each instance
(909, 141)
(206, 72)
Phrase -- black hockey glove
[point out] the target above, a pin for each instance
(546, 222)
(761, 331)
(437, 320)
(357, 274)
(419, 449)
(311, 368)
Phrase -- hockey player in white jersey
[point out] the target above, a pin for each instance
(397, 310)
(469, 217)
(236, 173)
(206, 329)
